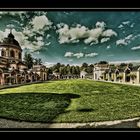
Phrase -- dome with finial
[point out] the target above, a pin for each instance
(10, 41)
(11, 35)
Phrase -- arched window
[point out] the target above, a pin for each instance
(3, 53)
(12, 53)
(19, 55)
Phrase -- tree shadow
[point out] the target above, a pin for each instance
(34, 107)
(84, 109)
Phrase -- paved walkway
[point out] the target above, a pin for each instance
(129, 123)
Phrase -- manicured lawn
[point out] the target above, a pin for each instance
(70, 101)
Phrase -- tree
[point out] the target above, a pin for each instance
(103, 62)
(133, 76)
(73, 70)
(68, 69)
(84, 65)
(120, 77)
(28, 59)
(77, 69)
(49, 71)
(56, 67)
(61, 70)
(123, 65)
(89, 69)
(37, 61)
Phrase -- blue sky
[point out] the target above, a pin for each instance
(75, 37)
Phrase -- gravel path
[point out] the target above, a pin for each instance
(129, 123)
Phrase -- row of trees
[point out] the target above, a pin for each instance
(30, 61)
(61, 68)
(67, 69)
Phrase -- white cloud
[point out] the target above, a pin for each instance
(100, 25)
(132, 25)
(12, 13)
(91, 54)
(104, 40)
(40, 38)
(71, 54)
(126, 22)
(39, 22)
(108, 47)
(78, 55)
(48, 36)
(94, 35)
(47, 44)
(135, 48)
(121, 42)
(73, 34)
(120, 26)
(125, 41)
(109, 33)
(90, 36)
(68, 54)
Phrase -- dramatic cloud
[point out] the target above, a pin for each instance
(91, 54)
(39, 22)
(125, 41)
(68, 54)
(12, 13)
(79, 55)
(126, 22)
(135, 48)
(108, 47)
(47, 44)
(75, 34)
(23, 40)
(120, 26)
(109, 33)
(30, 36)
(104, 40)
(132, 25)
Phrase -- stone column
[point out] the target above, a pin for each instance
(138, 77)
(2, 79)
(124, 77)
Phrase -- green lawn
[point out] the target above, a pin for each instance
(70, 101)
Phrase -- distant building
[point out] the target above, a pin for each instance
(98, 71)
(83, 74)
(123, 74)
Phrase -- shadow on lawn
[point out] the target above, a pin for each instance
(34, 107)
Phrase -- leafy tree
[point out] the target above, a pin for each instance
(28, 59)
(84, 65)
(37, 61)
(73, 70)
(103, 62)
(77, 69)
(49, 71)
(123, 65)
(68, 69)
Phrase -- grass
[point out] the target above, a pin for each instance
(70, 101)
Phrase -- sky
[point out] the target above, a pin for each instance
(74, 37)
